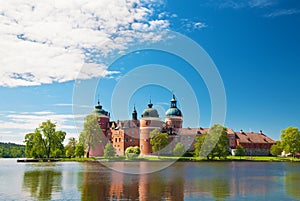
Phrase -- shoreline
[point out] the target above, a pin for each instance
(162, 159)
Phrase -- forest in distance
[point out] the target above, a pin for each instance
(11, 150)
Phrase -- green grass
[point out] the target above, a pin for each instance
(186, 159)
(262, 158)
(76, 159)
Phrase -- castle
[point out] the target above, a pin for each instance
(136, 132)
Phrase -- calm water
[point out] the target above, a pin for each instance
(180, 181)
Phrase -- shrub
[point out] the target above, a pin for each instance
(132, 152)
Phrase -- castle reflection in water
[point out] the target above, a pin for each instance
(180, 181)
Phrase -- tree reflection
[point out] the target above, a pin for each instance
(40, 184)
(292, 181)
(220, 188)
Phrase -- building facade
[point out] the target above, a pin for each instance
(136, 132)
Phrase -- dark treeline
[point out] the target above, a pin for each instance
(11, 150)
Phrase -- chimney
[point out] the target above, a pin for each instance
(241, 131)
(261, 132)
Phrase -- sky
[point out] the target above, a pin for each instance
(58, 58)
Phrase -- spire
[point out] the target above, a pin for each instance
(173, 102)
(134, 114)
(98, 106)
(150, 104)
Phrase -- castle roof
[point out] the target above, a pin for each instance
(173, 110)
(150, 112)
(250, 137)
(100, 111)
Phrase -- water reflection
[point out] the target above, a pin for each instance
(42, 184)
(292, 181)
(101, 183)
(181, 181)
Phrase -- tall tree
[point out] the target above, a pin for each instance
(45, 141)
(158, 140)
(179, 149)
(213, 144)
(79, 150)
(70, 147)
(276, 149)
(91, 134)
(290, 140)
(198, 144)
(109, 150)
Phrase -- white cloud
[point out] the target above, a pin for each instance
(71, 105)
(14, 126)
(243, 4)
(46, 41)
(283, 12)
(190, 25)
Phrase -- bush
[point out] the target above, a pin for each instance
(132, 152)
(189, 154)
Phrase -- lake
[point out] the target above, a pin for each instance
(179, 181)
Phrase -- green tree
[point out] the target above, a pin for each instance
(11, 150)
(91, 134)
(276, 149)
(198, 144)
(109, 150)
(45, 141)
(34, 147)
(213, 144)
(158, 140)
(70, 147)
(179, 149)
(79, 150)
(290, 140)
(240, 151)
(132, 152)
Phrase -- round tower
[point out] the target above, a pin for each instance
(173, 116)
(103, 121)
(150, 120)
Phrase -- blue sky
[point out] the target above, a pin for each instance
(254, 44)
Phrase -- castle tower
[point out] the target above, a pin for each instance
(149, 121)
(103, 121)
(173, 116)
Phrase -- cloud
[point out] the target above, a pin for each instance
(243, 3)
(14, 125)
(283, 12)
(71, 105)
(49, 41)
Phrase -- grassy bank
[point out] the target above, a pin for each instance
(197, 159)
(174, 158)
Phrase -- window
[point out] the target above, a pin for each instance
(132, 139)
(182, 138)
(189, 138)
(142, 146)
(119, 139)
(126, 139)
(116, 139)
